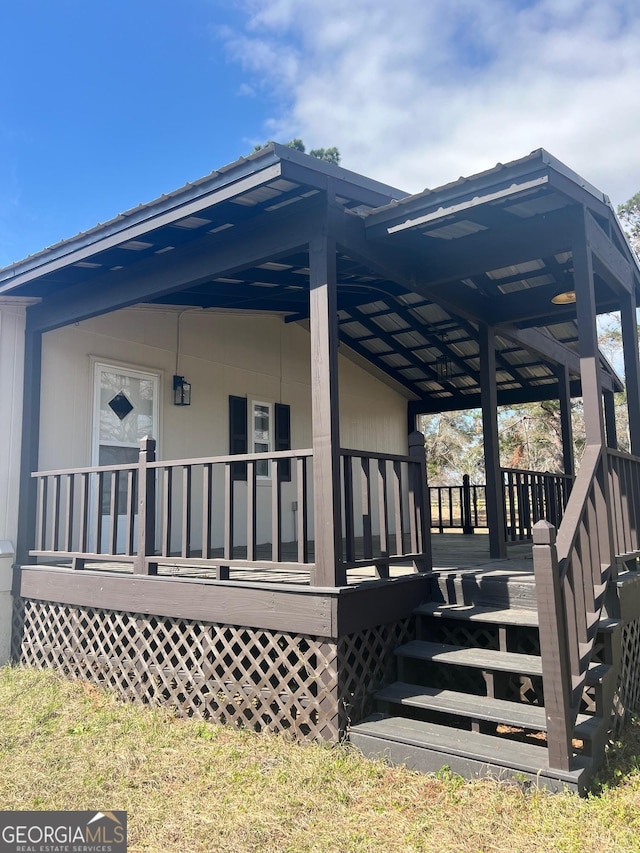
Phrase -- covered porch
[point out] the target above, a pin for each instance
(271, 588)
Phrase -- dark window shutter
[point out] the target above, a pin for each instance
(238, 437)
(282, 435)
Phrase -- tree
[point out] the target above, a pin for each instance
(629, 215)
(329, 155)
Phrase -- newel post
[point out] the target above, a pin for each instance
(467, 518)
(146, 509)
(556, 675)
(421, 508)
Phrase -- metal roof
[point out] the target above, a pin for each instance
(489, 248)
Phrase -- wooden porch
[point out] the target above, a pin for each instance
(157, 577)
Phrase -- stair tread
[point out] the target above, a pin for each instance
(472, 657)
(525, 757)
(479, 707)
(477, 613)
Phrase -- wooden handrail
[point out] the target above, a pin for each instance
(571, 573)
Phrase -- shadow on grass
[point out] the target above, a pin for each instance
(622, 759)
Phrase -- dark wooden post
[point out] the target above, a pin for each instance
(467, 517)
(325, 411)
(493, 474)
(146, 509)
(631, 366)
(587, 337)
(566, 429)
(30, 445)
(553, 646)
(590, 378)
(422, 507)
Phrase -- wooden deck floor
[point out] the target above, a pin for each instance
(451, 552)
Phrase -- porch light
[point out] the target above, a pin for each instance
(181, 391)
(564, 297)
(444, 367)
(565, 294)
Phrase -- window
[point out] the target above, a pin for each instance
(259, 428)
(261, 424)
(125, 410)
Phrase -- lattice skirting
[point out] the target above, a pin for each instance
(311, 687)
(627, 699)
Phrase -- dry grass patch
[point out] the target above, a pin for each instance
(188, 785)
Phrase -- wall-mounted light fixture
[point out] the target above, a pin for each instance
(181, 391)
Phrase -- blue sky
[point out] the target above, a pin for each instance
(106, 105)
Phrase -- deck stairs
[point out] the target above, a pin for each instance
(469, 692)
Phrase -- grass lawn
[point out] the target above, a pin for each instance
(191, 786)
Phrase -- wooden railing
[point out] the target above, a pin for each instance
(624, 491)
(571, 573)
(530, 496)
(195, 512)
(225, 512)
(458, 507)
(386, 508)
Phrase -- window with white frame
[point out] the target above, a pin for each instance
(261, 425)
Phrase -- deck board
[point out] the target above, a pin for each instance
(451, 552)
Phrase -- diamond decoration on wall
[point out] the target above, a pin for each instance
(121, 405)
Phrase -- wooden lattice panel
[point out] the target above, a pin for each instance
(627, 698)
(266, 680)
(365, 663)
(17, 623)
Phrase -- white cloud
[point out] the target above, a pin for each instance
(417, 93)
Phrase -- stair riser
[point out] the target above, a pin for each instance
(483, 591)
(431, 761)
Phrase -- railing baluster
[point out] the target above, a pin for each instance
(167, 507)
(301, 517)
(626, 513)
(399, 515)
(512, 506)
(383, 514)
(365, 494)
(207, 495)
(83, 533)
(43, 483)
(98, 497)
(186, 511)
(129, 546)
(276, 513)
(55, 500)
(113, 511)
(68, 527)
(251, 511)
(586, 571)
(228, 512)
(349, 523)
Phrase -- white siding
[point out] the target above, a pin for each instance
(260, 357)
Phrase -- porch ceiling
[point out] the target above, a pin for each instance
(421, 274)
